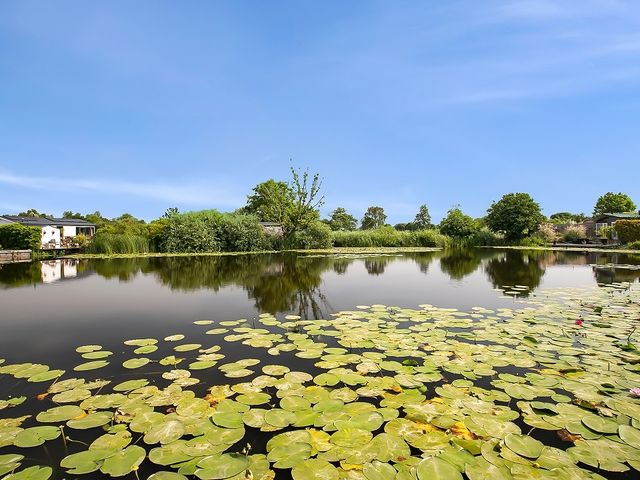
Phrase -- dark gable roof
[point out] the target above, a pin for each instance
(29, 221)
(618, 216)
(43, 222)
(73, 222)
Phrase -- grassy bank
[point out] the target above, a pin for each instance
(332, 251)
(586, 248)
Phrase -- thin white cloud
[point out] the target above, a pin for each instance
(213, 195)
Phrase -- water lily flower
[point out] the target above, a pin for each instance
(635, 392)
(579, 321)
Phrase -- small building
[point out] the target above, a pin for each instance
(596, 225)
(273, 228)
(56, 232)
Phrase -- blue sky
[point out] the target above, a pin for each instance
(139, 106)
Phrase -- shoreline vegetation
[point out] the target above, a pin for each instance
(285, 216)
(342, 251)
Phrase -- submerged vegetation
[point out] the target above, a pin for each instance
(546, 390)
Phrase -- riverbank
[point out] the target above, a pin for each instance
(328, 251)
(586, 248)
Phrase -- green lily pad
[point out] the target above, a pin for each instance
(96, 364)
(523, 445)
(31, 473)
(59, 414)
(432, 468)
(135, 363)
(315, 469)
(35, 436)
(123, 462)
(217, 467)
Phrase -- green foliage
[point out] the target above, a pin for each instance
(340, 219)
(191, 232)
(270, 201)
(614, 203)
(422, 221)
(295, 204)
(567, 217)
(606, 232)
(635, 245)
(81, 240)
(33, 213)
(517, 215)
(314, 235)
(242, 233)
(374, 217)
(19, 237)
(208, 231)
(484, 238)
(534, 240)
(458, 225)
(389, 237)
(109, 243)
(628, 230)
(574, 233)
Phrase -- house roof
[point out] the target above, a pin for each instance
(619, 215)
(43, 222)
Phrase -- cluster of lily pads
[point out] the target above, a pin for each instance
(378, 393)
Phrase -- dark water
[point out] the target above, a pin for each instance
(49, 308)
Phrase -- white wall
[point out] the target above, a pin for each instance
(50, 233)
(69, 231)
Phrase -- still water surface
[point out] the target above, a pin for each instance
(49, 308)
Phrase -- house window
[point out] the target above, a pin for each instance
(600, 226)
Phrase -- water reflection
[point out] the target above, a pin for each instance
(290, 282)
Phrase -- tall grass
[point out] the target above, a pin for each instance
(389, 237)
(109, 243)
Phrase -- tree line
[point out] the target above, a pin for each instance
(295, 206)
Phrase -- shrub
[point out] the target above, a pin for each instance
(109, 243)
(628, 230)
(458, 225)
(192, 232)
(485, 238)
(314, 235)
(20, 237)
(534, 240)
(635, 245)
(574, 233)
(242, 233)
(425, 238)
(547, 231)
(389, 237)
(81, 240)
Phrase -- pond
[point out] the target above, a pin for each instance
(459, 364)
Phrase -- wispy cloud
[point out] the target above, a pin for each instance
(211, 195)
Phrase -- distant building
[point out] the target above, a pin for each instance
(606, 220)
(56, 232)
(273, 228)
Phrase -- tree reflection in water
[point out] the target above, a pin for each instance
(289, 282)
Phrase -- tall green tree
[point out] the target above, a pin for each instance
(614, 203)
(270, 201)
(374, 217)
(458, 225)
(307, 200)
(341, 220)
(423, 218)
(517, 215)
(295, 204)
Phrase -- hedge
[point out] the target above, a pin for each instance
(20, 237)
(628, 230)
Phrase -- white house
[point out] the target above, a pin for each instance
(56, 232)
